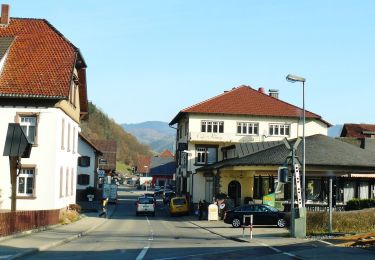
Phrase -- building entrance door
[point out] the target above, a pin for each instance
(234, 192)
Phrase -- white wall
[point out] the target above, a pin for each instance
(48, 158)
(85, 149)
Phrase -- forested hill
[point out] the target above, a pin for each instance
(99, 126)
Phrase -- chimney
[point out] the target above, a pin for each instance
(261, 90)
(274, 93)
(4, 20)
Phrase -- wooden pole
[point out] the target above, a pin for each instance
(13, 180)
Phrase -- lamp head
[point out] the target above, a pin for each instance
(294, 78)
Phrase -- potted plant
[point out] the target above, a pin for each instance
(90, 193)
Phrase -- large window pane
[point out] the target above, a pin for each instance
(221, 127)
(211, 155)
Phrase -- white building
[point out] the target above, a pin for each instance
(88, 162)
(207, 131)
(43, 88)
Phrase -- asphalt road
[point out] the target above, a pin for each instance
(126, 236)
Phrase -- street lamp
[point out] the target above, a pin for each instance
(293, 79)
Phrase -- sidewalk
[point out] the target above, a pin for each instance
(279, 240)
(27, 243)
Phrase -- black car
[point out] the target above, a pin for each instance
(168, 195)
(262, 215)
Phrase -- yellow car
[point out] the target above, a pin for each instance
(178, 206)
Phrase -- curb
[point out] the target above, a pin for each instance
(63, 241)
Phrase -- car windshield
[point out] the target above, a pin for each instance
(272, 209)
(145, 200)
(179, 201)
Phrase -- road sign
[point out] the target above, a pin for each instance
(101, 173)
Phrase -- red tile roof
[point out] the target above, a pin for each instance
(358, 130)
(244, 100)
(40, 61)
(166, 153)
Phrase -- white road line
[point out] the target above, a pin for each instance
(5, 256)
(278, 250)
(325, 242)
(142, 253)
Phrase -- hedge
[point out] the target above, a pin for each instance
(357, 204)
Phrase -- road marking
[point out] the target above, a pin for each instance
(325, 242)
(142, 253)
(202, 254)
(151, 236)
(5, 256)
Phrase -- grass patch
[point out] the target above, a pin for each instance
(122, 167)
(344, 222)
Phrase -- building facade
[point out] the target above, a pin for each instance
(207, 132)
(43, 88)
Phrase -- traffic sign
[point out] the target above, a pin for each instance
(101, 173)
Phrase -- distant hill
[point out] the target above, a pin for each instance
(158, 135)
(100, 126)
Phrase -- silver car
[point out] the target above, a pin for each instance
(145, 205)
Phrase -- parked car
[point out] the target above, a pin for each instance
(262, 215)
(157, 191)
(145, 205)
(168, 194)
(151, 195)
(178, 206)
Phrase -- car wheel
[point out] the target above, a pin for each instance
(137, 214)
(236, 223)
(281, 223)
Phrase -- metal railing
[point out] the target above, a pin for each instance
(14, 222)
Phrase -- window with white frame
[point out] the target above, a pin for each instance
(206, 155)
(279, 130)
(212, 126)
(247, 128)
(63, 134)
(28, 125)
(67, 182)
(25, 182)
(61, 181)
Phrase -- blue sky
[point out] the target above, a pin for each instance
(147, 60)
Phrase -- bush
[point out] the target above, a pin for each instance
(75, 207)
(346, 221)
(357, 204)
(69, 216)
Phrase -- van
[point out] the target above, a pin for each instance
(178, 206)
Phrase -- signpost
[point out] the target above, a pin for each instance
(16, 147)
(298, 215)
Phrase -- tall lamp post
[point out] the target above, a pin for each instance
(299, 225)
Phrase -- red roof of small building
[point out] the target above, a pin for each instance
(109, 150)
(40, 61)
(166, 153)
(358, 130)
(245, 100)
